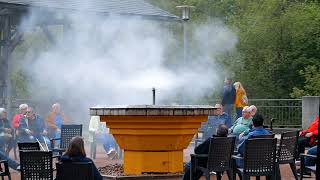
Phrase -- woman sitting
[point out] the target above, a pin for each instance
(76, 153)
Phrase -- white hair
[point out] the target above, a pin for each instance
(253, 107)
(55, 105)
(23, 106)
(2, 110)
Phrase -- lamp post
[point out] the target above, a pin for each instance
(185, 16)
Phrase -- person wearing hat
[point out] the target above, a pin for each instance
(220, 117)
(5, 132)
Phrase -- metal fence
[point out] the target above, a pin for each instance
(286, 112)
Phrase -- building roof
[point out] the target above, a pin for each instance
(124, 7)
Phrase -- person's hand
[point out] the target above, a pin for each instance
(309, 134)
(45, 132)
(241, 135)
(28, 131)
(58, 130)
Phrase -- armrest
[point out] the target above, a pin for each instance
(236, 157)
(308, 155)
(6, 166)
(199, 155)
(55, 139)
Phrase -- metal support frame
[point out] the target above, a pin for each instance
(5, 86)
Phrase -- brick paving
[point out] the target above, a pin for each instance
(102, 160)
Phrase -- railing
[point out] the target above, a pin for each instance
(286, 112)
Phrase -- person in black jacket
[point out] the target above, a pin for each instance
(203, 148)
(228, 96)
(76, 153)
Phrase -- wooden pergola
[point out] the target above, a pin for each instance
(12, 12)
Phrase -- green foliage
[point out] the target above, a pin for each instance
(311, 84)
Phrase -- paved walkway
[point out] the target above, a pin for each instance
(101, 161)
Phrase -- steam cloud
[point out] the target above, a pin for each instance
(108, 60)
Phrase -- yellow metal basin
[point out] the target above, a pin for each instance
(153, 137)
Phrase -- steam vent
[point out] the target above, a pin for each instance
(153, 137)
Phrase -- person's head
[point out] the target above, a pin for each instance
(238, 86)
(253, 109)
(56, 108)
(76, 147)
(30, 113)
(23, 108)
(246, 112)
(227, 80)
(3, 113)
(222, 130)
(257, 120)
(218, 109)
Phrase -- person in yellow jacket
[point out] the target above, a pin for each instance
(241, 98)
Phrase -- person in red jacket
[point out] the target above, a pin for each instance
(308, 137)
(16, 118)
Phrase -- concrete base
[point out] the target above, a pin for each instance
(310, 108)
(138, 162)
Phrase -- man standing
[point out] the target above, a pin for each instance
(219, 117)
(55, 119)
(228, 96)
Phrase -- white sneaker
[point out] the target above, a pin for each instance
(112, 153)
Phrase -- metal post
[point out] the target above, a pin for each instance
(185, 16)
(153, 96)
(185, 41)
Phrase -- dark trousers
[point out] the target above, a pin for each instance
(196, 173)
(303, 142)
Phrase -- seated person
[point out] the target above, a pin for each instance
(16, 118)
(37, 127)
(222, 131)
(23, 132)
(100, 131)
(6, 138)
(11, 163)
(253, 109)
(309, 161)
(257, 130)
(219, 117)
(76, 153)
(307, 138)
(242, 124)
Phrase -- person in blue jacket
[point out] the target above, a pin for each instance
(257, 130)
(76, 153)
